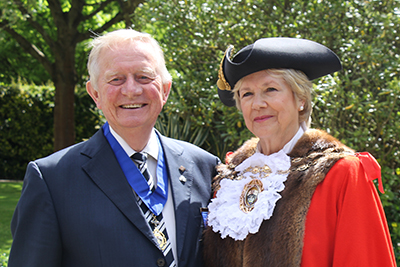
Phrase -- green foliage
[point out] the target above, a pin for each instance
(19, 64)
(9, 195)
(33, 20)
(25, 120)
(26, 125)
(174, 126)
(4, 259)
(88, 119)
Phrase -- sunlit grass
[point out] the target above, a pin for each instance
(9, 195)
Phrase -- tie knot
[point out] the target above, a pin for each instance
(139, 157)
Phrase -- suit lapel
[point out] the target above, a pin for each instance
(180, 189)
(106, 173)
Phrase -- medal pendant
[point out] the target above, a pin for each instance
(249, 195)
(162, 241)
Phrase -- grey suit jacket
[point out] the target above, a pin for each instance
(77, 209)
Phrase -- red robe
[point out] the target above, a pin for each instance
(346, 224)
(330, 214)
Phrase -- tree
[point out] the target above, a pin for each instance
(51, 31)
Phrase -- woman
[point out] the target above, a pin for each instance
(293, 196)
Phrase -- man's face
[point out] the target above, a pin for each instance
(129, 90)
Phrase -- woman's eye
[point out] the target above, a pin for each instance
(246, 94)
(270, 89)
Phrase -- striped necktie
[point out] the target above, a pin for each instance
(157, 223)
(141, 160)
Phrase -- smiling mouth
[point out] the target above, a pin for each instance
(133, 106)
(262, 118)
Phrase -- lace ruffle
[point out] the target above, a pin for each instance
(226, 216)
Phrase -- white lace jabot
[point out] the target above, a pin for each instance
(241, 205)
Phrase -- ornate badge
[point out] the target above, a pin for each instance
(249, 195)
(162, 241)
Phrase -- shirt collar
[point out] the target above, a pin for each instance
(151, 147)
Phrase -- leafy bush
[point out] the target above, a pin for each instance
(26, 125)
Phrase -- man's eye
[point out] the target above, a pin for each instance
(144, 79)
(116, 81)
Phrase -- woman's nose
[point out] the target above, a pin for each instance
(259, 102)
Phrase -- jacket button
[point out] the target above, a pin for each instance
(160, 262)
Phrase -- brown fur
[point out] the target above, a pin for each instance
(279, 241)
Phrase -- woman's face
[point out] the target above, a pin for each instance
(269, 107)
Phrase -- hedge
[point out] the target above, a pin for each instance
(26, 125)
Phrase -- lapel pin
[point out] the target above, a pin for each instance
(182, 179)
(182, 169)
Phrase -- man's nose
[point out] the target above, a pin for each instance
(131, 87)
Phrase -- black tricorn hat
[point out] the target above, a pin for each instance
(314, 59)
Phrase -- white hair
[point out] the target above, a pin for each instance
(115, 38)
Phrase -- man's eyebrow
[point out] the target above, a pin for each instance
(148, 70)
(109, 73)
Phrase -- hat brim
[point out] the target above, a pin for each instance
(313, 59)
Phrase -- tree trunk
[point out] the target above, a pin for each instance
(64, 81)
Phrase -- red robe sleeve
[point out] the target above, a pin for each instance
(346, 224)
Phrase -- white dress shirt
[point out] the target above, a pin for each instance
(151, 149)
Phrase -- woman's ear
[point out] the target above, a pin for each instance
(301, 105)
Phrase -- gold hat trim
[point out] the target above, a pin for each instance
(222, 83)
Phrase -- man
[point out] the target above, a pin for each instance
(98, 203)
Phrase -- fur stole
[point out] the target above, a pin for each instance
(279, 241)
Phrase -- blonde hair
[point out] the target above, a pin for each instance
(299, 83)
(113, 39)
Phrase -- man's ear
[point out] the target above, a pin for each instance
(94, 94)
(166, 91)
